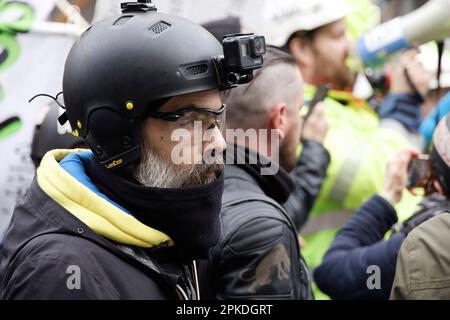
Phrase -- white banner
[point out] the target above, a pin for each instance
(33, 64)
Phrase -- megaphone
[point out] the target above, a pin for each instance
(429, 22)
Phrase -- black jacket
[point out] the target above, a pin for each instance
(258, 256)
(46, 246)
(308, 178)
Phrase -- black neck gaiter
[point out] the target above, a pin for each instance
(190, 216)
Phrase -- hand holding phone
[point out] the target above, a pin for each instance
(315, 126)
(396, 176)
(320, 95)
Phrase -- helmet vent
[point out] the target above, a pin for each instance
(160, 27)
(122, 20)
(197, 69)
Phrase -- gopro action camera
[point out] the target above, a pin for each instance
(243, 53)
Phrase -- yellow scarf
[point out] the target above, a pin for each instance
(97, 213)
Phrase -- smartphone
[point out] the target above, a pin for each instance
(419, 171)
(321, 94)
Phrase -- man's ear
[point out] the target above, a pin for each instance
(279, 119)
(300, 51)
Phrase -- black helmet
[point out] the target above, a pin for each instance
(125, 66)
(46, 136)
(440, 153)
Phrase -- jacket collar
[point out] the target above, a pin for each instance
(277, 186)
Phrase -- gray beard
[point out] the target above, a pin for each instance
(153, 171)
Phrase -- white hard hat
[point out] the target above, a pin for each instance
(282, 18)
(428, 56)
(277, 20)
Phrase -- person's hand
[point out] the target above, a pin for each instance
(316, 126)
(417, 73)
(396, 175)
(302, 242)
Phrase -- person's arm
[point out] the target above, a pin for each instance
(308, 177)
(345, 271)
(359, 248)
(404, 108)
(409, 86)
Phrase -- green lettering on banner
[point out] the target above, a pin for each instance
(9, 126)
(14, 17)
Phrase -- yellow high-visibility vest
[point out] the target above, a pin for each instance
(359, 150)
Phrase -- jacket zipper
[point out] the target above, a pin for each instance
(181, 294)
(179, 290)
(195, 276)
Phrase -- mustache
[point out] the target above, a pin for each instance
(199, 174)
(213, 156)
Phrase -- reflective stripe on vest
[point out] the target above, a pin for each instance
(326, 221)
(348, 172)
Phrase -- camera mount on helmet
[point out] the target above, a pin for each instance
(140, 5)
(243, 53)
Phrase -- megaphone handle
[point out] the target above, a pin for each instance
(412, 85)
(440, 46)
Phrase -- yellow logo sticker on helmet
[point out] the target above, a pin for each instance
(115, 163)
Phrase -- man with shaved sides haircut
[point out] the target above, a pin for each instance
(268, 191)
